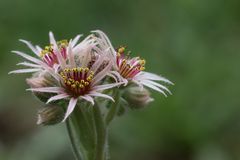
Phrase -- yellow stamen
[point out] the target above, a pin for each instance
(121, 50)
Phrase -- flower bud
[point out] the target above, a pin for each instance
(137, 97)
(50, 115)
(41, 79)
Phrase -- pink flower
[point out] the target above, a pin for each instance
(78, 69)
(131, 70)
(52, 56)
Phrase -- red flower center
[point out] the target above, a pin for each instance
(129, 67)
(77, 81)
(49, 55)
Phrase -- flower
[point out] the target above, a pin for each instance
(52, 56)
(131, 70)
(50, 115)
(137, 97)
(79, 71)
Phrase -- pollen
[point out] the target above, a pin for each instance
(129, 67)
(46, 50)
(49, 54)
(121, 50)
(62, 43)
(77, 81)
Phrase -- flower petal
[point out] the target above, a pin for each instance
(30, 46)
(29, 64)
(75, 40)
(30, 58)
(151, 76)
(70, 55)
(96, 94)
(25, 70)
(88, 98)
(103, 36)
(106, 86)
(55, 48)
(154, 88)
(57, 97)
(47, 89)
(158, 85)
(70, 108)
(102, 74)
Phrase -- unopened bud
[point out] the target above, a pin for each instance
(50, 115)
(39, 80)
(137, 97)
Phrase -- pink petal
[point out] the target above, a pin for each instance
(102, 74)
(30, 58)
(88, 98)
(30, 46)
(57, 97)
(151, 76)
(29, 64)
(96, 94)
(154, 88)
(47, 89)
(55, 48)
(158, 85)
(75, 40)
(25, 70)
(106, 86)
(70, 55)
(70, 108)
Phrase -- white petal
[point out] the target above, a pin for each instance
(119, 77)
(70, 108)
(106, 86)
(30, 46)
(88, 98)
(29, 64)
(25, 71)
(103, 36)
(151, 76)
(70, 55)
(52, 39)
(57, 97)
(30, 58)
(97, 64)
(158, 85)
(39, 49)
(75, 40)
(154, 88)
(96, 94)
(102, 74)
(54, 74)
(47, 89)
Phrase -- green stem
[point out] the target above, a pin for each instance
(72, 136)
(114, 107)
(101, 128)
(82, 134)
(88, 133)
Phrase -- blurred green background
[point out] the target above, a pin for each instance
(194, 43)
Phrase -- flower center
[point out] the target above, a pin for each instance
(49, 56)
(129, 67)
(77, 80)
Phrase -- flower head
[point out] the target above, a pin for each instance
(128, 67)
(79, 71)
(131, 69)
(51, 56)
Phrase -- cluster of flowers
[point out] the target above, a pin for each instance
(76, 71)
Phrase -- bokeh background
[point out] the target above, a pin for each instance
(195, 44)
